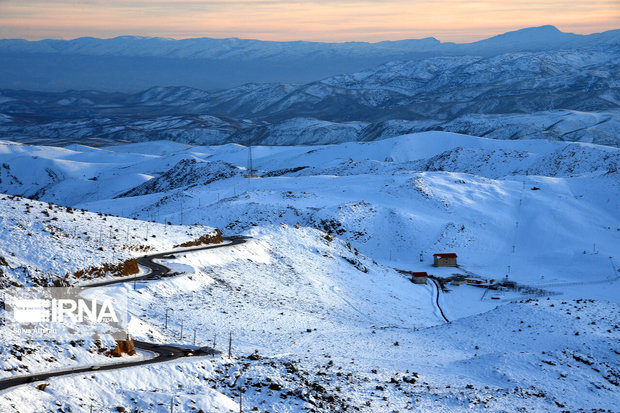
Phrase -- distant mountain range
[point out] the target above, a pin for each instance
(132, 63)
(569, 95)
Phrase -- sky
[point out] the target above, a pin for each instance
(312, 20)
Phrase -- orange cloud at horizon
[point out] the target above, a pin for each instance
(317, 20)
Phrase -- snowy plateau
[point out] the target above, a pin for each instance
(317, 303)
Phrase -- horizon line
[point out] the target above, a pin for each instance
(300, 40)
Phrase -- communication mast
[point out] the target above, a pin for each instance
(250, 169)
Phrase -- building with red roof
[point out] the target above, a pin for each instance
(419, 277)
(445, 259)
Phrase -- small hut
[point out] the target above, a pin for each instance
(419, 277)
(445, 259)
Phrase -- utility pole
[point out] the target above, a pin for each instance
(194, 337)
(172, 404)
(230, 345)
(214, 337)
(181, 329)
(250, 166)
(166, 325)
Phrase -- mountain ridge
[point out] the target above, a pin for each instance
(519, 34)
(558, 95)
(131, 63)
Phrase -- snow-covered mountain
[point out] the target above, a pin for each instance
(321, 315)
(341, 190)
(556, 95)
(137, 176)
(132, 63)
(448, 87)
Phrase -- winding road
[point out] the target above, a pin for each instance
(165, 352)
(159, 271)
(438, 288)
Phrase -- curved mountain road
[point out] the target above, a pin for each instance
(159, 271)
(438, 288)
(165, 352)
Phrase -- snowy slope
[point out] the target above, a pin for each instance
(299, 131)
(43, 242)
(359, 188)
(321, 319)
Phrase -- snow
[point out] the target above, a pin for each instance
(566, 94)
(43, 242)
(103, 391)
(320, 316)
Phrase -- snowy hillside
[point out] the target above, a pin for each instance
(318, 302)
(42, 243)
(180, 183)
